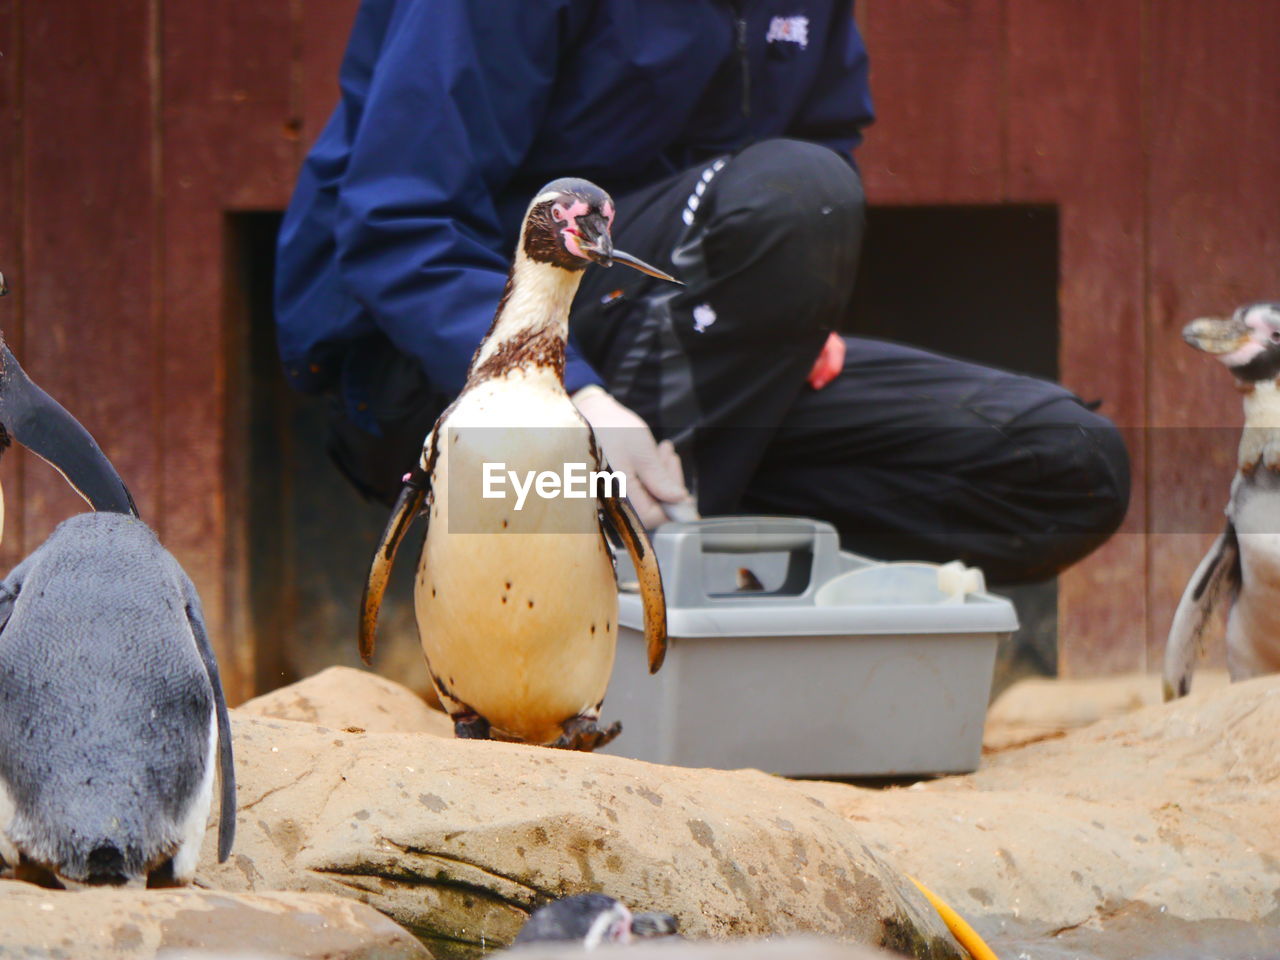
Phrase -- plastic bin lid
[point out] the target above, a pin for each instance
(822, 590)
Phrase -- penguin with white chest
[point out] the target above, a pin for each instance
(517, 607)
(112, 717)
(1242, 568)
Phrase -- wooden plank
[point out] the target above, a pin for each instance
(228, 144)
(937, 76)
(88, 269)
(1075, 113)
(12, 470)
(1074, 121)
(228, 122)
(324, 29)
(1214, 202)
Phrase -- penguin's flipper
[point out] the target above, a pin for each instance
(626, 525)
(1216, 578)
(417, 483)
(226, 763)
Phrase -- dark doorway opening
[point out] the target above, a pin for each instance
(301, 537)
(979, 283)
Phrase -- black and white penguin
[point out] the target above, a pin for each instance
(592, 920)
(517, 605)
(111, 709)
(112, 718)
(1242, 568)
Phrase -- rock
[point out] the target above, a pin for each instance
(135, 924)
(342, 698)
(1164, 823)
(786, 948)
(458, 840)
(1043, 707)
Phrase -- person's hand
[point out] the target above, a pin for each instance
(652, 469)
(829, 363)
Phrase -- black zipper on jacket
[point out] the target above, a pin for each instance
(741, 24)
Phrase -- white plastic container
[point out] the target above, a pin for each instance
(840, 666)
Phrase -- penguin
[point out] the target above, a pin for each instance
(112, 718)
(516, 605)
(111, 707)
(592, 920)
(1242, 568)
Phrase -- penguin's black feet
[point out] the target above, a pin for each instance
(470, 726)
(581, 733)
(163, 876)
(37, 874)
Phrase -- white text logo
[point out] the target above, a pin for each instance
(789, 30)
(575, 483)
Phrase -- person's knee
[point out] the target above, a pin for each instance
(786, 192)
(1085, 484)
(1093, 451)
(782, 232)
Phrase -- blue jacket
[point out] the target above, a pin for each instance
(453, 112)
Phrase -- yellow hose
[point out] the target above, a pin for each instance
(967, 936)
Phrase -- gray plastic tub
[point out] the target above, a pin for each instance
(840, 666)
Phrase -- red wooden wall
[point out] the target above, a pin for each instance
(129, 130)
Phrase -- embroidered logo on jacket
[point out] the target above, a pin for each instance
(789, 30)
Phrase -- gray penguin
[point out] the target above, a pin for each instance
(112, 716)
(1241, 572)
(593, 920)
(109, 691)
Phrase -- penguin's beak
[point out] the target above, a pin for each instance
(39, 423)
(635, 263)
(599, 248)
(1217, 335)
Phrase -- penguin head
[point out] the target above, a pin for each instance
(38, 422)
(592, 919)
(1247, 343)
(569, 225)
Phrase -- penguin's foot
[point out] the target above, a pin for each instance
(163, 876)
(581, 733)
(38, 874)
(471, 726)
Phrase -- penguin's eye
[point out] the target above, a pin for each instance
(557, 212)
(1275, 336)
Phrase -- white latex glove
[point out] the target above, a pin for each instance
(652, 469)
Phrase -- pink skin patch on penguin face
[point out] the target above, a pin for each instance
(569, 214)
(1242, 355)
(1263, 335)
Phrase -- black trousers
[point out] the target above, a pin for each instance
(909, 454)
